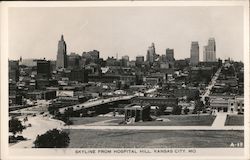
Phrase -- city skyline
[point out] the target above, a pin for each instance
(100, 29)
(62, 51)
(128, 76)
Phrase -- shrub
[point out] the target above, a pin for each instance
(52, 139)
(15, 126)
(12, 139)
(176, 110)
(186, 110)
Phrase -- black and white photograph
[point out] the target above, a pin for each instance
(125, 78)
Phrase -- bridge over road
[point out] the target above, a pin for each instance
(96, 103)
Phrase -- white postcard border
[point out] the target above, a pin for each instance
(63, 153)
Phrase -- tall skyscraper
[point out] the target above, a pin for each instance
(169, 55)
(209, 52)
(151, 55)
(61, 60)
(194, 51)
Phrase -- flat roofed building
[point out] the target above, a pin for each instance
(94, 55)
(28, 62)
(209, 51)
(74, 61)
(126, 57)
(13, 71)
(194, 53)
(137, 112)
(43, 69)
(47, 95)
(162, 102)
(170, 57)
(139, 59)
(236, 105)
(228, 104)
(219, 104)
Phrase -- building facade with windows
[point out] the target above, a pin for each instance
(209, 51)
(137, 112)
(227, 104)
(151, 55)
(194, 53)
(236, 105)
(61, 58)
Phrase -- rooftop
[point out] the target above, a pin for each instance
(137, 106)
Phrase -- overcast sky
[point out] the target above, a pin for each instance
(34, 32)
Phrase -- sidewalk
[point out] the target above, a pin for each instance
(220, 120)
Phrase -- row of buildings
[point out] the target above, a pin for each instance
(227, 95)
(166, 60)
(76, 78)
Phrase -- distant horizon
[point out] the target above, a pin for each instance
(115, 58)
(125, 30)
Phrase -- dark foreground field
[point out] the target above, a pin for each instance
(81, 138)
(234, 120)
(181, 120)
(172, 120)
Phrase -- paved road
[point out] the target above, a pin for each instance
(96, 103)
(210, 86)
(155, 127)
(40, 125)
(103, 101)
(40, 107)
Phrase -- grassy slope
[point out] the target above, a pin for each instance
(235, 120)
(151, 139)
(175, 120)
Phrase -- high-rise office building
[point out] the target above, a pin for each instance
(61, 60)
(169, 55)
(163, 58)
(126, 57)
(80, 75)
(151, 55)
(194, 53)
(209, 51)
(170, 58)
(125, 60)
(94, 55)
(43, 69)
(139, 59)
(73, 61)
(13, 71)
